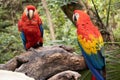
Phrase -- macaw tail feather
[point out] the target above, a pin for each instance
(90, 66)
(94, 71)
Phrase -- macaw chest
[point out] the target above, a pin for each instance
(31, 31)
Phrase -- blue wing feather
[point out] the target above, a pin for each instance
(23, 39)
(97, 60)
(41, 30)
(92, 64)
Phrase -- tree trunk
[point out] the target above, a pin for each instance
(51, 27)
(44, 62)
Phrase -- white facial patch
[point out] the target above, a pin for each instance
(26, 11)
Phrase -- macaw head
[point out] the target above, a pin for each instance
(30, 11)
(80, 16)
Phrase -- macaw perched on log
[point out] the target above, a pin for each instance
(91, 44)
(30, 26)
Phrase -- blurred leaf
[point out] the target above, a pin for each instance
(113, 64)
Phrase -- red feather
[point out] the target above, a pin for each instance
(93, 77)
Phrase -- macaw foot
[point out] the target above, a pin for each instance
(35, 46)
(38, 45)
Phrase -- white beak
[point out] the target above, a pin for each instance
(30, 14)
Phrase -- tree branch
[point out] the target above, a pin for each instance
(107, 22)
(103, 27)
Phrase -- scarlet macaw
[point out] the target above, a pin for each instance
(30, 26)
(91, 44)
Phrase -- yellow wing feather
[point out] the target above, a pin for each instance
(91, 46)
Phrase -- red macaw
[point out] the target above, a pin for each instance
(30, 26)
(91, 44)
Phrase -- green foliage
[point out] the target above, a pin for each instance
(113, 64)
(86, 75)
(116, 31)
(117, 34)
(10, 44)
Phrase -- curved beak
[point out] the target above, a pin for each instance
(74, 18)
(30, 14)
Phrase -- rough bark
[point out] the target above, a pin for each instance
(44, 62)
(80, 5)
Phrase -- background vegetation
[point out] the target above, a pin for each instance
(65, 31)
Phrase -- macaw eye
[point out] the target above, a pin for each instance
(75, 17)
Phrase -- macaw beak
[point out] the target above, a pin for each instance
(30, 14)
(74, 18)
